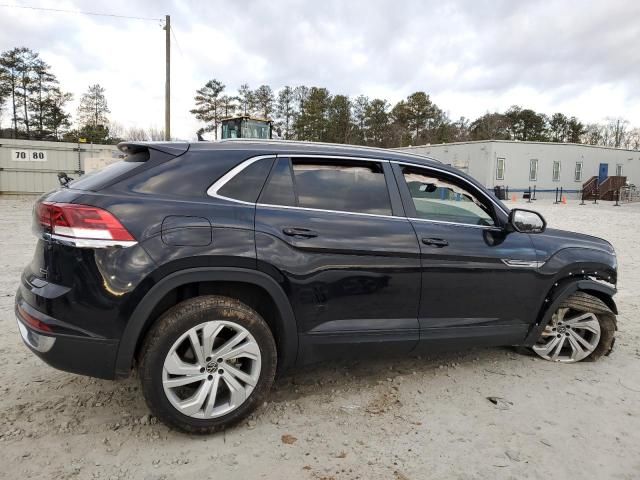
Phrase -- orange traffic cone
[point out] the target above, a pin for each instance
(564, 199)
(513, 197)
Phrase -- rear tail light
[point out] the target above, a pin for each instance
(82, 225)
(33, 322)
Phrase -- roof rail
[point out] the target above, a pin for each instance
(344, 146)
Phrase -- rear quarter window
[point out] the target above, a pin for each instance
(189, 175)
(247, 184)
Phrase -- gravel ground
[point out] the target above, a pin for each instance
(412, 418)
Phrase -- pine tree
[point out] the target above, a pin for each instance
(339, 116)
(420, 110)
(359, 118)
(263, 101)
(12, 69)
(245, 97)
(285, 111)
(208, 105)
(312, 121)
(377, 122)
(300, 95)
(228, 105)
(44, 82)
(56, 120)
(92, 114)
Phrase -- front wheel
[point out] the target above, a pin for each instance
(583, 328)
(207, 363)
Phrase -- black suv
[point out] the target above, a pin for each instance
(210, 266)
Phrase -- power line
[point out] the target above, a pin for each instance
(95, 14)
(173, 32)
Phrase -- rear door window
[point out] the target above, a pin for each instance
(346, 186)
(279, 188)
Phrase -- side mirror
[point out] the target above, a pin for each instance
(526, 221)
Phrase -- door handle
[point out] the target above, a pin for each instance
(435, 242)
(299, 232)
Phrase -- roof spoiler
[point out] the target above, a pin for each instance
(172, 148)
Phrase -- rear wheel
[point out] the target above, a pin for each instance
(583, 328)
(207, 363)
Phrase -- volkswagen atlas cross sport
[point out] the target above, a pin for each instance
(211, 266)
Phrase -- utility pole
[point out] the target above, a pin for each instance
(167, 81)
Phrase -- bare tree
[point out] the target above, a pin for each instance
(155, 134)
(617, 130)
(136, 134)
(632, 139)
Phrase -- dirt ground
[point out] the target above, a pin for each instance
(412, 418)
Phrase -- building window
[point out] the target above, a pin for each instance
(578, 173)
(500, 169)
(619, 170)
(556, 171)
(533, 170)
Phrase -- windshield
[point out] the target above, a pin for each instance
(255, 129)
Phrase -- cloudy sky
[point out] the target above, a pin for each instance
(578, 57)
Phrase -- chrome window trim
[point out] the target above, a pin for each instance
(457, 224)
(212, 191)
(333, 157)
(322, 210)
(453, 175)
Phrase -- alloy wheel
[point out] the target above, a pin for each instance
(569, 337)
(211, 369)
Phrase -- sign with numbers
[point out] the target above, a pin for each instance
(28, 155)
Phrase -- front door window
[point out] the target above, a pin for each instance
(442, 200)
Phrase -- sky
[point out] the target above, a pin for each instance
(581, 58)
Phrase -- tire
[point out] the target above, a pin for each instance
(172, 334)
(578, 304)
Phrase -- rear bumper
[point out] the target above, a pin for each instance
(94, 357)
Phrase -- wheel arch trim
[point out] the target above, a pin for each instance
(599, 289)
(140, 317)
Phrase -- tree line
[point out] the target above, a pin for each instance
(37, 107)
(314, 114)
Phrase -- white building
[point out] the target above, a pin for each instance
(32, 166)
(545, 165)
